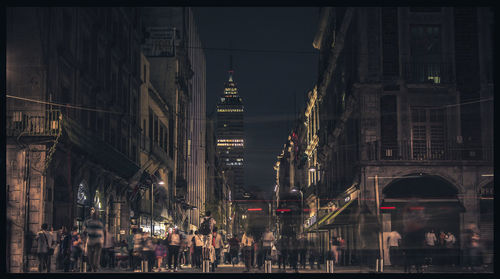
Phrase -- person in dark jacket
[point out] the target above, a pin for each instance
(65, 249)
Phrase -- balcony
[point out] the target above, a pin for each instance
(409, 151)
(428, 73)
(33, 123)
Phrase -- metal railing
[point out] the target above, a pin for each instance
(410, 151)
(431, 73)
(33, 123)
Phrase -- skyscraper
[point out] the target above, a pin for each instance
(230, 135)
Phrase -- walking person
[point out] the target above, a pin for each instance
(441, 248)
(53, 249)
(394, 242)
(450, 248)
(94, 239)
(293, 253)
(174, 242)
(148, 253)
(430, 243)
(302, 250)
(198, 249)
(247, 242)
(218, 244)
(234, 247)
(130, 248)
(314, 255)
(191, 245)
(335, 249)
(160, 253)
(76, 249)
(283, 252)
(137, 252)
(108, 250)
(65, 249)
(43, 247)
(267, 243)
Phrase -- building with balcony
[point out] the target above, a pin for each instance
(405, 125)
(73, 130)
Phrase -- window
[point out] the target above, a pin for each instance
(428, 133)
(425, 54)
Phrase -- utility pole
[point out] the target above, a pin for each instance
(380, 262)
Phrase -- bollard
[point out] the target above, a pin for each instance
(144, 266)
(84, 266)
(206, 266)
(329, 266)
(376, 265)
(381, 265)
(268, 266)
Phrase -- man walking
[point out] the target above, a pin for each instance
(218, 244)
(94, 239)
(198, 248)
(267, 243)
(130, 248)
(174, 242)
(234, 246)
(247, 242)
(430, 242)
(394, 241)
(42, 251)
(302, 249)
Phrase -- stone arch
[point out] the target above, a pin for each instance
(443, 175)
(420, 185)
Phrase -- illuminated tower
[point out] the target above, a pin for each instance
(230, 135)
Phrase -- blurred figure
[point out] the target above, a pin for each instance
(335, 249)
(450, 240)
(191, 244)
(109, 250)
(293, 253)
(314, 255)
(430, 242)
(130, 248)
(247, 242)
(282, 252)
(160, 253)
(473, 248)
(43, 246)
(218, 245)
(302, 250)
(267, 242)
(65, 249)
(198, 249)
(234, 247)
(148, 253)
(174, 242)
(94, 232)
(137, 253)
(441, 248)
(76, 249)
(394, 242)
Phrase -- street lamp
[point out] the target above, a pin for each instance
(152, 205)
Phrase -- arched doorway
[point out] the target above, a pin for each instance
(423, 202)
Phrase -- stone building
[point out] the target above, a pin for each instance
(73, 132)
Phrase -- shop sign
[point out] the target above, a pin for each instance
(310, 221)
(122, 231)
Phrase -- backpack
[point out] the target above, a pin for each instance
(205, 227)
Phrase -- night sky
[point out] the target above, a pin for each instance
(269, 82)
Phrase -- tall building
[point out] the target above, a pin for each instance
(230, 135)
(81, 148)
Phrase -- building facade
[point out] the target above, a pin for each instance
(401, 136)
(73, 135)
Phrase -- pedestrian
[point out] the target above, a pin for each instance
(472, 247)
(43, 247)
(259, 252)
(65, 249)
(191, 245)
(267, 243)
(218, 245)
(94, 239)
(108, 250)
(302, 250)
(282, 252)
(335, 249)
(430, 242)
(183, 250)
(227, 257)
(174, 242)
(394, 242)
(160, 253)
(198, 248)
(247, 242)
(54, 249)
(234, 247)
(293, 253)
(130, 248)
(137, 252)
(76, 249)
(450, 248)
(342, 249)
(314, 255)
(413, 244)
(148, 253)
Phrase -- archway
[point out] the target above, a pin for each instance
(421, 202)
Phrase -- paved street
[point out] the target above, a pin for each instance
(226, 268)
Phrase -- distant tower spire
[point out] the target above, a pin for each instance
(231, 71)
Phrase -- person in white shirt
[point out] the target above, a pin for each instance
(449, 241)
(394, 241)
(218, 245)
(267, 242)
(430, 242)
(247, 242)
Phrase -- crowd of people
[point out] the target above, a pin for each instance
(95, 248)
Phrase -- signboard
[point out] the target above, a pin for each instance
(160, 42)
(310, 221)
(122, 231)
